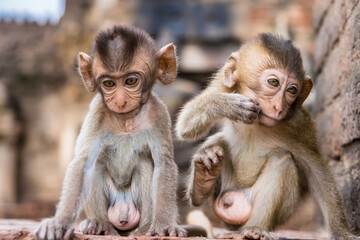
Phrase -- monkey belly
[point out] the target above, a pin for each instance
(233, 207)
(123, 215)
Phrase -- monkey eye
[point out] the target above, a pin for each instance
(109, 83)
(273, 82)
(292, 90)
(131, 81)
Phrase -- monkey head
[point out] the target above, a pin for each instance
(123, 67)
(269, 70)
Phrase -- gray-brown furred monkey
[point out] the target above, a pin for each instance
(254, 171)
(123, 178)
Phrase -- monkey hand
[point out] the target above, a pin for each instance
(208, 164)
(239, 107)
(167, 231)
(97, 227)
(248, 233)
(54, 228)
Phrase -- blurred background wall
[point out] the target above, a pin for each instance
(43, 102)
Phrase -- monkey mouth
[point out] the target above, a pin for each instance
(275, 119)
(128, 112)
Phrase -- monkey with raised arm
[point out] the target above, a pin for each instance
(254, 171)
(123, 178)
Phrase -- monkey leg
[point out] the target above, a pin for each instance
(95, 207)
(274, 197)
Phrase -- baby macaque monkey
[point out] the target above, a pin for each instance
(254, 171)
(123, 177)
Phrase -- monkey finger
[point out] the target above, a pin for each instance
(50, 232)
(150, 233)
(219, 151)
(247, 120)
(162, 232)
(253, 115)
(93, 225)
(100, 228)
(224, 236)
(172, 231)
(255, 235)
(41, 232)
(255, 107)
(199, 165)
(37, 232)
(212, 156)
(204, 160)
(84, 226)
(69, 234)
(181, 232)
(59, 232)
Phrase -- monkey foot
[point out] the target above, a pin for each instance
(54, 228)
(167, 231)
(249, 233)
(208, 164)
(97, 227)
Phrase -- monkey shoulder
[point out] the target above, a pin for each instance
(160, 111)
(301, 125)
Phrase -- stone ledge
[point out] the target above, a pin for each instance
(11, 229)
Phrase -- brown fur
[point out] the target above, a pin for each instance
(277, 163)
(133, 150)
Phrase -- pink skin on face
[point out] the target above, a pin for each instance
(123, 215)
(233, 207)
(121, 97)
(276, 92)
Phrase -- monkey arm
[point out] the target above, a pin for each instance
(200, 114)
(164, 181)
(69, 205)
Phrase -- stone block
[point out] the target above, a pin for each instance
(328, 83)
(351, 188)
(321, 7)
(349, 6)
(332, 26)
(350, 114)
(22, 229)
(328, 127)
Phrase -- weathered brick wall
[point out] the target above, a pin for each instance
(337, 106)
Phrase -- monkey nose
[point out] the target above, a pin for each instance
(278, 109)
(123, 222)
(121, 104)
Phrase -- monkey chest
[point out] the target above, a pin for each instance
(247, 156)
(247, 164)
(123, 159)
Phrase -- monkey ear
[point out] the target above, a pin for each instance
(308, 84)
(168, 64)
(229, 70)
(84, 63)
